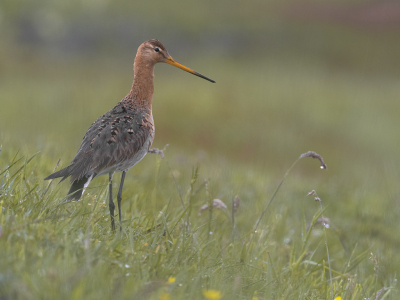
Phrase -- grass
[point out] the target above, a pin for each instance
(52, 249)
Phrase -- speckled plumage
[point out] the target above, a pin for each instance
(120, 138)
(111, 142)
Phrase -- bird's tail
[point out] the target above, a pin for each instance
(78, 187)
(62, 173)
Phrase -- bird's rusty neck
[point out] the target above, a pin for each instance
(143, 83)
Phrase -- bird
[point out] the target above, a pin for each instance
(121, 137)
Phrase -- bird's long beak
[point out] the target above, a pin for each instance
(172, 62)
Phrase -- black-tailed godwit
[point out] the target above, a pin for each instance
(120, 138)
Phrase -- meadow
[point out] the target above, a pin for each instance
(233, 141)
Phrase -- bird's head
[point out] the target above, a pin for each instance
(155, 52)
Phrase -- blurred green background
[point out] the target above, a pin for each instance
(291, 76)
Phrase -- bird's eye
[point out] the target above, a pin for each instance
(157, 49)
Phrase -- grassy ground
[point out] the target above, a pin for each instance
(242, 134)
(52, 249)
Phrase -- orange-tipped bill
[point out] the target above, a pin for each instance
(172, 62)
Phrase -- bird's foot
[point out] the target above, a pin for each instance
(158, 151)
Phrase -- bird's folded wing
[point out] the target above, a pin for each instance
(114, 138)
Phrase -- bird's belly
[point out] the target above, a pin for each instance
(129, 163)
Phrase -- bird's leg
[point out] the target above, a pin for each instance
(158, 151)
(111, 204)
(119, 198)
